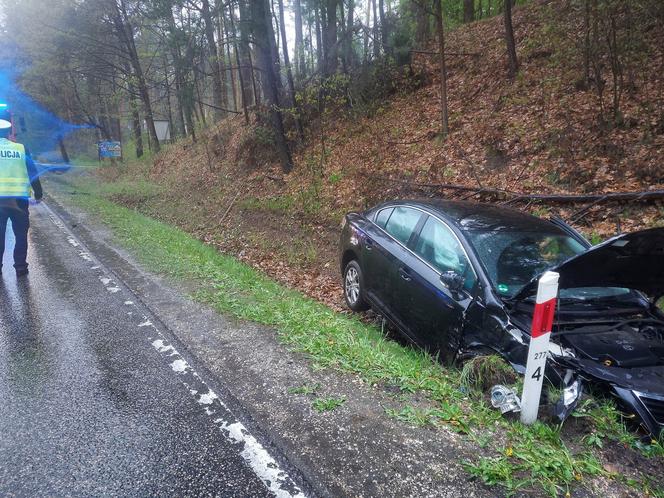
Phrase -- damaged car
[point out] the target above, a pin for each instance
(460, 279)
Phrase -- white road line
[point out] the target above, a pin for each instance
(252, 451)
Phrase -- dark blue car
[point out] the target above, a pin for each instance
(459, 279)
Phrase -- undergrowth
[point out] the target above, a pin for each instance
(514, 456)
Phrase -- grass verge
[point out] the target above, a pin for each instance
(516, 457)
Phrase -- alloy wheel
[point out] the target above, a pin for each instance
(352, 285)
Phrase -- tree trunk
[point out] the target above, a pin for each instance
(273, 40)
(135, 116)
(136, 128)
(348, 38)
(126, 35)
(167, 87)
(374, 31)
(176, 55)
(330, 38)
(383, 26)
(222, 58)
(245, 52)
(468, 10)
(179, 115)
(311, 59)
(238, 63)
(300, 63)
(63, 149)
(229, 59)
(273, 22)
(509, 39)
(366, 32)
(319, 40)
(199, 98)
(422, 25)
(257, 95)
(289, 73)
(443, 69)
(341, 39)
(261, 34)
(217, 90)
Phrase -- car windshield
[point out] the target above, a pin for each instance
(514, 258)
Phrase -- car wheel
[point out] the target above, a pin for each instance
(354, 287)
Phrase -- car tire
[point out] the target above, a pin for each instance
(353, 285)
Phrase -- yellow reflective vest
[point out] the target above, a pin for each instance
(14, 178)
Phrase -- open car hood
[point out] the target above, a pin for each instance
(632, 260)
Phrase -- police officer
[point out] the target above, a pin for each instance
(18, 175)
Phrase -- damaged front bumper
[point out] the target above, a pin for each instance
(638, 390)
(648, 407)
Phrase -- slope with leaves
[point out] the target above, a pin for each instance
(537, 133)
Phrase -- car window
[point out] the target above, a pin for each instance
(402, 223)
(513, 258)
(382, 217)
(438, 246)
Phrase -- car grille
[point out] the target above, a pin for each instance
(655, 407)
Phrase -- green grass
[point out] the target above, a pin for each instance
(536, 457)
(278, 204)
(515, 456)
(129, 189)
(327, 404)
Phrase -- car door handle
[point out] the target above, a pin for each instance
(368, 244)
(403, 273)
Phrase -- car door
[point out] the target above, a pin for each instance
(433, 312)
(374, 258)
(384, 249)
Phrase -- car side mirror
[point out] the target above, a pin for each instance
(452, 280)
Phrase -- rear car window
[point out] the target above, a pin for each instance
(382, 216)
(402, 223)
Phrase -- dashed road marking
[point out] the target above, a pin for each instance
(266, 468)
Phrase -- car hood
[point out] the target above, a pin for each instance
(632, 260)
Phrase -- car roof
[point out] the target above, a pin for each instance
(468, 216)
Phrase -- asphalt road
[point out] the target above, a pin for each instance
(96, 400)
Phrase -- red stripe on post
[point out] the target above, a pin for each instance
(543, 318)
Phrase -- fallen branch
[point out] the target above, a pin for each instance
(472, 169)
(460, 54)
(449, 186)
(647, 195)
(230, 206)
(583, 212)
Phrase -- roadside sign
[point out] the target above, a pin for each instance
(108, 148)
(163, 130)
(545, 307)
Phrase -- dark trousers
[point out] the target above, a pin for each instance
(15, 210)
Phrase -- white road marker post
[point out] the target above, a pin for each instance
(545, 307)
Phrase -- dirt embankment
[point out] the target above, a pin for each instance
(539, 133)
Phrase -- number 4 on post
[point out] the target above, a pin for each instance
(545, 307)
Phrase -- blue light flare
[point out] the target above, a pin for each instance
(35, 126)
